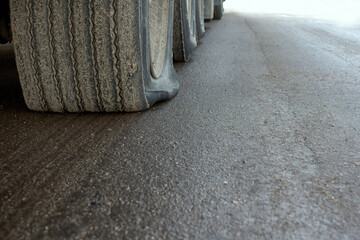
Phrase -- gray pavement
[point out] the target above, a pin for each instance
(262, 142)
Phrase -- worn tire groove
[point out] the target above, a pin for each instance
(94, 55)
(34, 66)
(117, 69)
(74, 57)
(53, 57)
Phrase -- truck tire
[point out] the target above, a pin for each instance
(200, 18)
(218, 9)
(185, 33)
(87, 55)
(209, 10)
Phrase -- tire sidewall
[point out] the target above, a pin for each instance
(167, 85)
(190, 31)
(218, 9)
(200, 19)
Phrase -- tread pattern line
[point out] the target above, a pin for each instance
(119, 90)
(94, 55)
(53, 58)
(33, 57)
(74, 57)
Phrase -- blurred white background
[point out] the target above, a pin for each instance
(344, 12)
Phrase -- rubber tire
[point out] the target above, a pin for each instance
(185, 34)
(209, 10)
(77, 56)
(218, 9)
(200, 19)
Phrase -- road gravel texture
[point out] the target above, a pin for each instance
(262, 142)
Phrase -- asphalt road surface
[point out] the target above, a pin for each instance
(262, 142)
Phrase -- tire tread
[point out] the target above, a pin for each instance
(86, 55)
(73, 57)
(33, 64)
(53, 58)
(218, 10)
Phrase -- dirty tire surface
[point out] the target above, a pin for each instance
(185, 33)
(218, 9)
(87, 56)
(200, 19)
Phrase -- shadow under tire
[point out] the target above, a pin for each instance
(93, 56)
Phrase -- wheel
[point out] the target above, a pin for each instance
(185, 34)
(200, 17)
(218, 9)
(87, 55)
(209, 10)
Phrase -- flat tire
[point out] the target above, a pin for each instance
(94, 56)
(218, 9)
(200, 18)
(185, 30)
